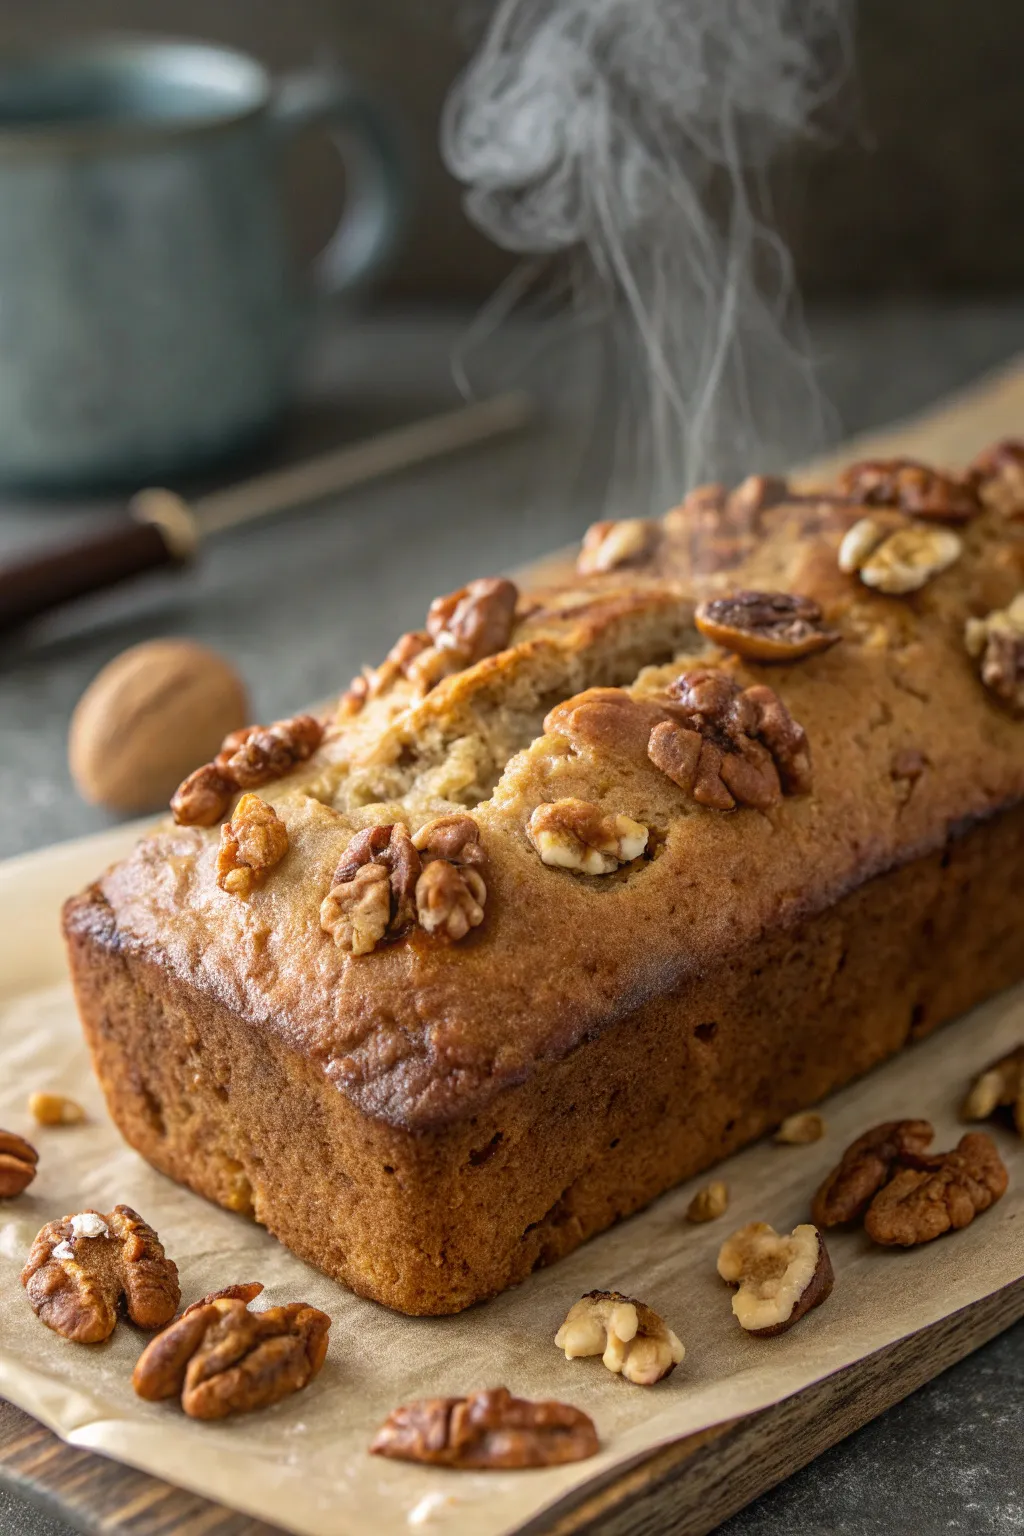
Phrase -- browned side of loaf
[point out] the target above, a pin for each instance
(431, 1221)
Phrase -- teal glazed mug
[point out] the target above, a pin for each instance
(151, 312)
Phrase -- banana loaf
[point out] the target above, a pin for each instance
(583, 887)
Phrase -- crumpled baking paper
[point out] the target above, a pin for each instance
(303, 1464)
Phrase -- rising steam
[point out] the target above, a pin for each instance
(635, 135)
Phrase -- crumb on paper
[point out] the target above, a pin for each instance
(430, 1507)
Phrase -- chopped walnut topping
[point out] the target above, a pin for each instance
(1000, 1086)
(203, 798)
(998, 639)
(913, 487)
(486, 1430)
(220, 1359)
(455, 838)
(765, 626)
(730, 746)
(866, 1165)
(607, 720)
(251, 843)
(780, 1278)
(474, 622)
(937, 1194)
(576, 834)
(632, 1340)
(373, 891)
(55, 1109)
(608, 545)
(896, 557)
(709, 1203)
(800, 1130)
(18, 1159)
(247, 758)
(450, 900)
(998, 475)
(82, 1267)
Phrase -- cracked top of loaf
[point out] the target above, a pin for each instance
(840, 761)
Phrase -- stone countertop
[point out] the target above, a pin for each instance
(299, 602)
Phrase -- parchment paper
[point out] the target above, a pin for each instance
(303, 1464)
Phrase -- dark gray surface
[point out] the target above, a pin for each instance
(300, 603)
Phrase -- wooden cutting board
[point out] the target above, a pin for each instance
(686, 1488)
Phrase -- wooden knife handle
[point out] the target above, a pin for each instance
(42, 580)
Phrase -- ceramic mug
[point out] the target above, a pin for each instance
(151, 314)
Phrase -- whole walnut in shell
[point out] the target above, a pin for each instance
(147, 718)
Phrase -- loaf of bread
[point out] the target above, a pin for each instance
(583, 888)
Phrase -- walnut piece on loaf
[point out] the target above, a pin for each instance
(998, 640)
(728, 745)
(220, 1359)
(608, 545)
(578, 835)
(1000, 1086)
(248, 758)
(486, 1431)
(631, 1339)
(251, 843)
(895, 555)
(82, 1267)
(387, 880)
(998, 476)
(765, 626)
(913, 487)
(18, 1159)
(779, 1278)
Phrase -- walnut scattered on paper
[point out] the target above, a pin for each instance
(488, 1430)
(631, 1339)
(779, 1277)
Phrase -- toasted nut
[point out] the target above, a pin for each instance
(255, 755)
(576, 834)
(222, 1359)
(1000, 1086)
(895, 555)
(608, 545)
(18, 1159)
(373, 889)
(55, 1109)
(727, 745)
(474, 622)
(709, 1203)
(765, 626)
(940, 1193)
(632, 1340)
(247, 1291)
(486, 1430)
(779, 1278)
(356, 913)
(82, 1267)
(865, 1166)
(998, 639)
(800, 1130)
(998, 475)
(913, 487)
(455, 838)
(450, 900)
(251, 843)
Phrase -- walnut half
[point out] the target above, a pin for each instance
(485, 1431)
(866, 1165)
(18, 1159)
(632, 1340)
(221, 1359)
(578, 835)
(765, 626)
(894, 554)
(998, 641)
(82, 1267)
(779, 1278)
(251, 843)
(913, 487)
(1000, 1086)
(373, 888)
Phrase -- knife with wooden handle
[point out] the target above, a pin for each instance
(164, 530)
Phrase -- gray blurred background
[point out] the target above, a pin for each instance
(913, 193)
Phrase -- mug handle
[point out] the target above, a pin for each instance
(377, 187)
